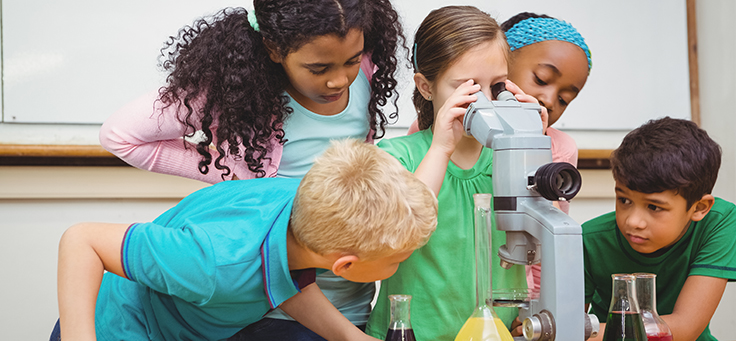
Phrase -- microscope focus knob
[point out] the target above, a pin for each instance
(539, 327)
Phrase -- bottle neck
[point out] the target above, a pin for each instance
(646, 293)
(400, 312)
(624, 294)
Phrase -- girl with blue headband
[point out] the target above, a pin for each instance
(550, 61)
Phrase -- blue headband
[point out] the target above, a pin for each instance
(534, 30)
(252, 20)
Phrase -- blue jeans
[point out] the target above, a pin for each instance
(56, 333)
(265, 329)
(269, 329)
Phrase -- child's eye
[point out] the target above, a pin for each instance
(624, 201)
(539, 80)
(654, 208)
(318, 71)
(562, 101)
(353, 62)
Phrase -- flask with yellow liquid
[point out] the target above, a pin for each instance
(483, 324)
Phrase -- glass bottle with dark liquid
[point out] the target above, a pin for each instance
(624, 321)
(646, 294)
(399, 328)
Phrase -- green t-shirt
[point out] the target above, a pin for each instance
(441, 275)
(708, 248)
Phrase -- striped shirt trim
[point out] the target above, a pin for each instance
(266, 276)
(714, 267)
(124, 251)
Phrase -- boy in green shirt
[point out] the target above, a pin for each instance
(667, 223)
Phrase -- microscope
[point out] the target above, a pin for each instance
(525, 182)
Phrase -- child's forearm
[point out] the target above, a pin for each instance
(80, 273)
(432, 169)
(696, 303)
(313, 310)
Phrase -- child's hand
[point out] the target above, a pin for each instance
(522, 97)
(517, 328)
(448, 125)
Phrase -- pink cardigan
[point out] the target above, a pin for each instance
(149, 138)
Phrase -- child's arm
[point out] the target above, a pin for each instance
(148, 136)
(85, 251)
(312, 309)
(447, 131)
(695, 306)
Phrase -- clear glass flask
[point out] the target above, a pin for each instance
(399, 328)
(646, 295)
(483, 324)
(624, 321)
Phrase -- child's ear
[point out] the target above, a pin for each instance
(702, 207)
(343, 264)
(273, 51)
(423, 85)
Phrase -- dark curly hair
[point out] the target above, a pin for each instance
(510, 22)
(223, 58)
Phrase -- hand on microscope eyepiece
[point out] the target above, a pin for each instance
(512, 92)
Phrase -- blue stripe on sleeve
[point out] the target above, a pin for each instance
(124, 252)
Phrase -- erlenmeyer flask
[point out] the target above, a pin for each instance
(483, 324)
(399, 328)
(624, 320)
(646, 295)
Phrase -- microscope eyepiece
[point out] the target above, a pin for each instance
(499, 92)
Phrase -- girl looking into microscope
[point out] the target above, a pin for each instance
(448, 46)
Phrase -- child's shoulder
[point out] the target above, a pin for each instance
(722, 214)
(408, 149)
(723, 208)
(416, 142)
(601, 224)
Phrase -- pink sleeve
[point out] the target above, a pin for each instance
(413, 128)
(564, 149)
(367, 66)
(148, 138)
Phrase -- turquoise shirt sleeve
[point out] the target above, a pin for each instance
(174, 261)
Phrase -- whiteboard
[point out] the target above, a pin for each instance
(78, 61)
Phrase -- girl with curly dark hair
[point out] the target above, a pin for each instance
(261, 94)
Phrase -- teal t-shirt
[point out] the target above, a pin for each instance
(440, 276)
(205, 269)
(308, 135)
(708, 248)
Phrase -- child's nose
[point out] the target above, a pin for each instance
(636, 221)
(338, 81)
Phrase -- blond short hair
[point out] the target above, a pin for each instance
(358, 199)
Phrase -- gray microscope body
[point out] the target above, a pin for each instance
(525, 180)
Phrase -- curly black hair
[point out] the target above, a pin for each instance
(225, 59)
(510, 22)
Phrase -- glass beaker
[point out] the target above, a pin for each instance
(483, 324)
(646, 295)
(624, 321)
(399, 328)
